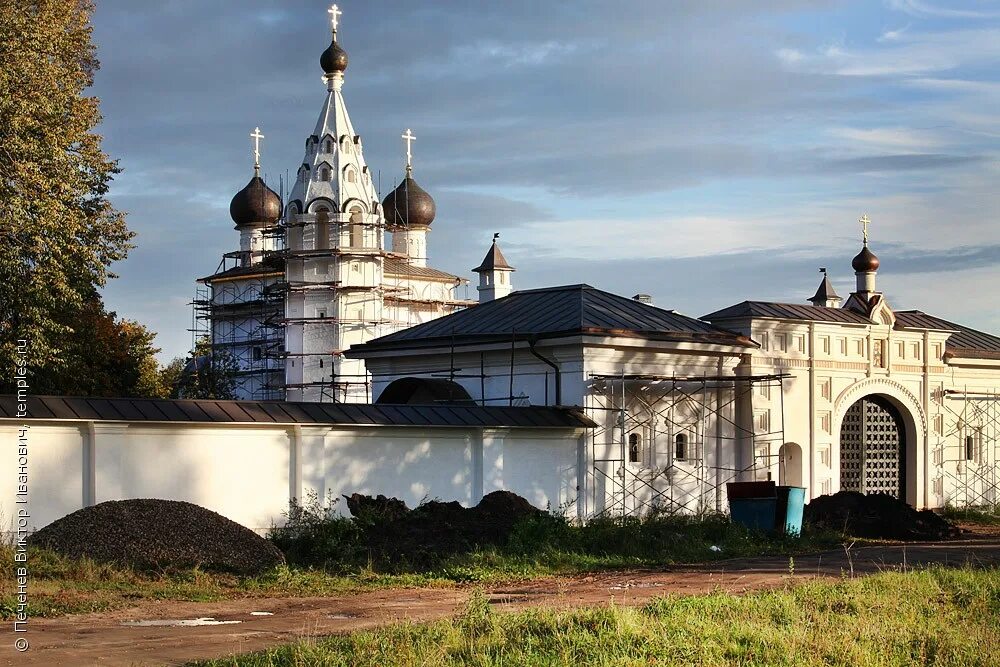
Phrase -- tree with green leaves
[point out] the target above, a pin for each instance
(104, 356)
(208, 373)
(59, 232)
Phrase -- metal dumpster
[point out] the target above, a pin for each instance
(753, 504)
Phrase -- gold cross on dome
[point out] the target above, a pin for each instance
(865, 221)
(334, 13)
(409, 138)
(256, 136)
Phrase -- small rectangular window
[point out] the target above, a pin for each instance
(258, 354)
(634, 447)
(970, 448)
(681, 447)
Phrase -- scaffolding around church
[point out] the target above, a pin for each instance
(968, 474)
(631, 475)
(241, 316)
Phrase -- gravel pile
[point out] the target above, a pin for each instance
(878, 515)
(159, 534)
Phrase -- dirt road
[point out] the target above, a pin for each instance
(148, 634)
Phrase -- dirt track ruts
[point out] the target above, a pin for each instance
(102, 639)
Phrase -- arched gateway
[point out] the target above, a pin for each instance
(873, 448)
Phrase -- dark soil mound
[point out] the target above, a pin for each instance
(379, 508)
(878, 515)
(435, 529)
(157, 534)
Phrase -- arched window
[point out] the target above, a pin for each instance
(346, 146)
(350, 174)
(681, 447)
(357, 229)
(322, 229)
(327, 146)
(634, 447)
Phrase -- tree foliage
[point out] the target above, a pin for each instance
(59, 232)
(208, 373)
(104, 356)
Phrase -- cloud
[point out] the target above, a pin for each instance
(926, 9)
(889, 137)
(601, 144)
(906, 54)
(904, 162)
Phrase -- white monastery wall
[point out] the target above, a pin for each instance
(249, 472)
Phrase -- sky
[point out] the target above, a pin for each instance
(704, 152)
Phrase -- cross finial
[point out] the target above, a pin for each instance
(256, 136)
(865, 221)
(334, 13)
(409, 139)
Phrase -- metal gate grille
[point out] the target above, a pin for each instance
(871, 448)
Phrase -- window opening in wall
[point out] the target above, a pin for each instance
(681, 446)
(357, 229)
(321, 314)
(321, 363)
(970, 448)
(258, 354)
(634, 446)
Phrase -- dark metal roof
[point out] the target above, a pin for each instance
(397, 267)
(825, 291)
(554, 312)
(964, 342)
(494, 260)
(278, 412)
(786, 311)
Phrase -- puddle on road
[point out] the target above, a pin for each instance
(261, 613)
(177, 623)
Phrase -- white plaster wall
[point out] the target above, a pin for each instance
(241, 473)
(542, 469)
(55, 473)
(413, 465)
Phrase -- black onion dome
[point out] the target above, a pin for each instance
(256, 203)
(334, 59)
(865, 261)
(409, 205)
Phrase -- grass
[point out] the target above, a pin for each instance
(989, 516)
(537, 548)
(936, 616)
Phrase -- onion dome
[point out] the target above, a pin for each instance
(865, 261)
(409, 205)
(334, 59)
(255, 204)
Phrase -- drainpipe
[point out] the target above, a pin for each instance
(555, 367)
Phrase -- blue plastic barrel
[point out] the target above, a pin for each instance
(791, 501)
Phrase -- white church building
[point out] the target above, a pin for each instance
(313, 275)
(580, 400)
